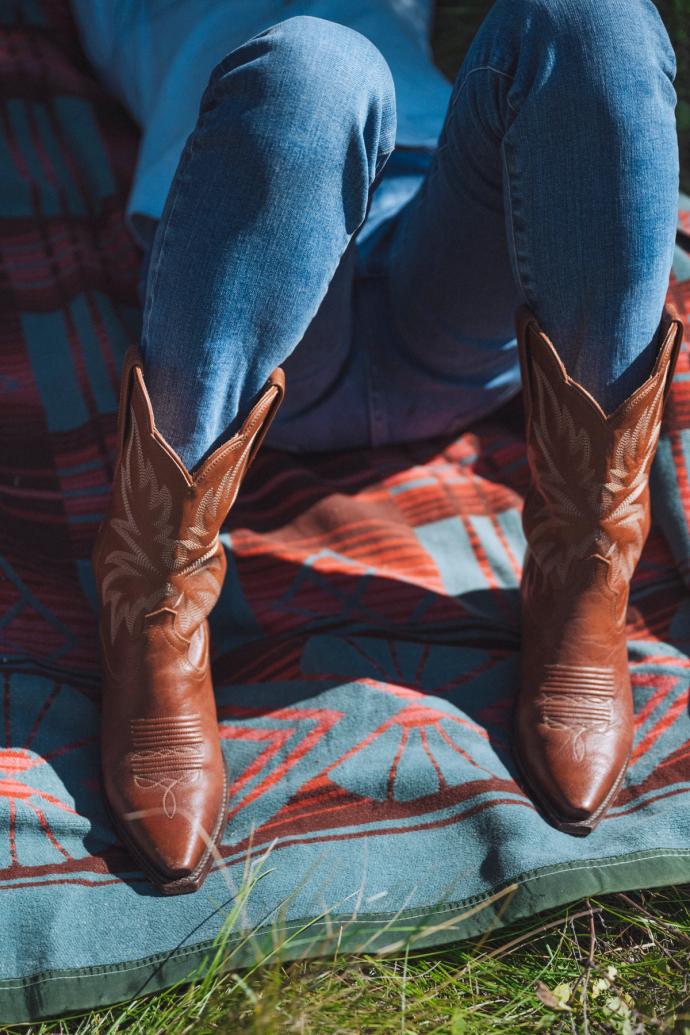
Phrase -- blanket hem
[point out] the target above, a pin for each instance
(52, 993)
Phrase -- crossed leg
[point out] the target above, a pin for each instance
(555, 184)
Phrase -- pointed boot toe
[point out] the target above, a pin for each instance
(573, 772)
(167, 798)
(586, 518)
(176, 852)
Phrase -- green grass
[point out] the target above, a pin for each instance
(616, 964)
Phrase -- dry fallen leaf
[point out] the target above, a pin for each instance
(555, 999)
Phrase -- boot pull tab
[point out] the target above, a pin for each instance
(276, 387)
(679, 333)
(133, 359)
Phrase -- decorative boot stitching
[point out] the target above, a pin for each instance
(168, 754)
(577, 699)
(152, 553)
(571, 493)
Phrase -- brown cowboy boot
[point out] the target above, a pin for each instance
(586, 518)
(160, 567)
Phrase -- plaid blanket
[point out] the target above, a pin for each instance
(365, 646)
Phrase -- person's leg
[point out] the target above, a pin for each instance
(270, 190)
(555, 184)
(274, 182)
(550, 210)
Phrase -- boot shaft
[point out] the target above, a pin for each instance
(159, 543)
(589, 492)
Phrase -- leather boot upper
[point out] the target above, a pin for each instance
(586, 518)
(160, 567)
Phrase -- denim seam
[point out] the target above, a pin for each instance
(511, 222)
(481, 68)
(381, 159)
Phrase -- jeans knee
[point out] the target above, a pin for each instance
(321, 51)
(614, 50)
(624, 29)
(313, 68)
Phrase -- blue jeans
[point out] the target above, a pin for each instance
(386, 281)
